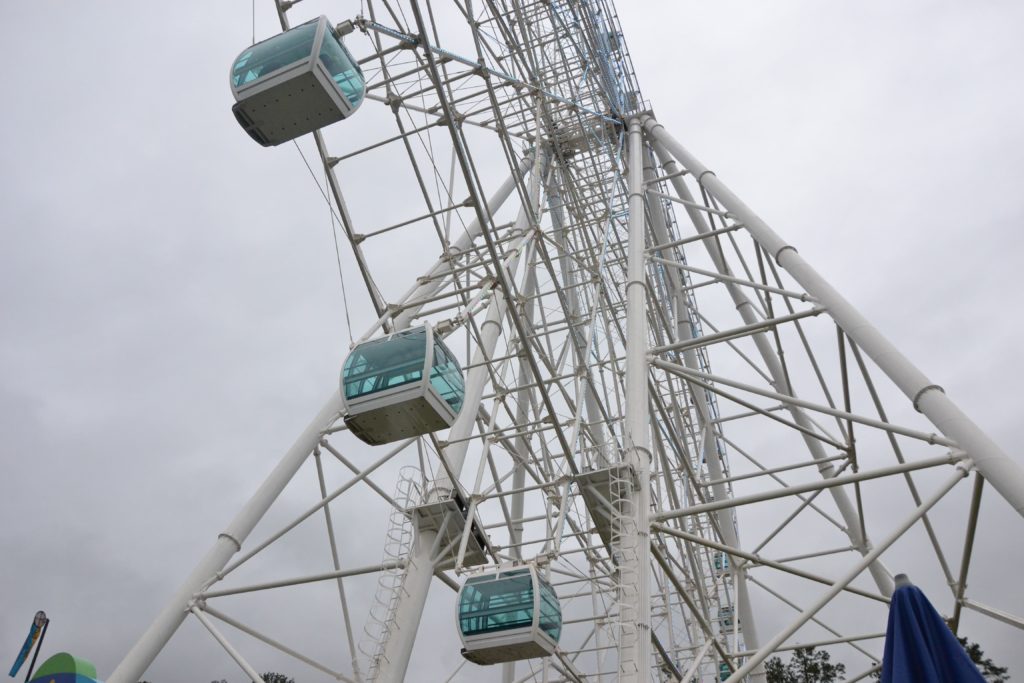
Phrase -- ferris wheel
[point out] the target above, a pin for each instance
(610, 425)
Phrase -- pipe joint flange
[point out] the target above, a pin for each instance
(966, 466)
(778, 254)
(632, 283)
(646, 119)
(224, 534)
(700, 178)
(646, 451)
(922, 392)
(489, 321)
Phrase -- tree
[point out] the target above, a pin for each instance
(775, 670)
(273, 677)
(806, 666)
(991, 672)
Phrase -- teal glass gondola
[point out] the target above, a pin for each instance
(402, 385)
(294, 83)
(508, 616)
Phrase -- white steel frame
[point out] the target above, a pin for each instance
(596, 440)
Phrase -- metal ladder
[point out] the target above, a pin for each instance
(397, 542)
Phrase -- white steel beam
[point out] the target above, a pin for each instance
(716, 468)
(634, 565)
(336, 560)
(232, 652)
(997, 614)
(1005, 475)
(275, 644)
(794, 489)
(808, 613)
(229, 542)
(431, 282)
(663, 146)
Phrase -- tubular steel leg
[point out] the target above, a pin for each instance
(635, 605)
(726, 517)
(138, 659)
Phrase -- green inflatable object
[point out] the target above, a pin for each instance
(64, 663)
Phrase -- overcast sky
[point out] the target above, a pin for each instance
(170, 316)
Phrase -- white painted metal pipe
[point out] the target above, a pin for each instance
(817, 407)
(794, 489)
(841, 583)
(755, 559)
(275, 644)
(235, 655)
(595, 427)
(435, 276)
(336, 559)
(299, 580)
(663, 145)
(716, 470)
(635, 603)
(1004, 474)
(138, 659)
(997, 614)
(820, 643)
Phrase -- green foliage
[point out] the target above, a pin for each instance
(991, 672)
(775, 670)
(807, 665)
(273, 677)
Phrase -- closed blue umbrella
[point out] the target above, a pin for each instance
(919, 647)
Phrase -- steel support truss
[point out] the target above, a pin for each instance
(640, 386)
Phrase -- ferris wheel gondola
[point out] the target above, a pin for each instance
(402, 385)
(508, 615)
(295, 82)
